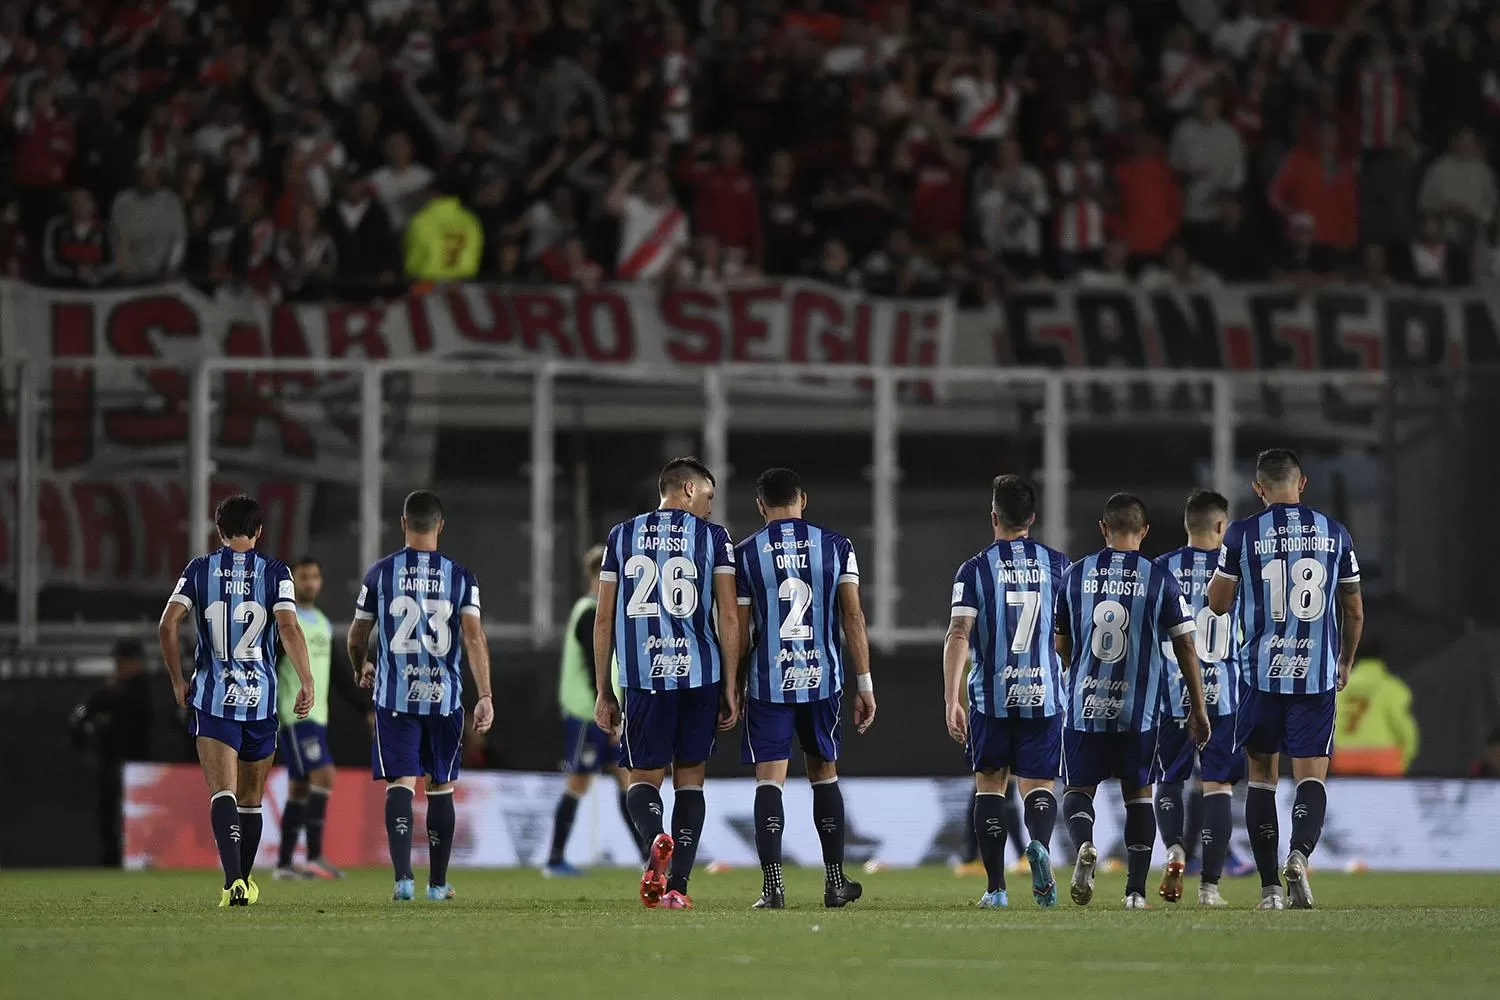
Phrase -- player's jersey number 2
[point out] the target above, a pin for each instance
(247, 613)
(678, 581)
(1302, 590)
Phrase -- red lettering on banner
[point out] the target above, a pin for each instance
(927, 348)
(72, 389)
(104, 517)
(1238, 350)
(678, 309)
(351, 327)
(745, 328)
(418, 323)
(1066, 338)
(288, 339)
(280, 502)
(901, 339)
(52, 521)
(163, 510)
(131, 329)
(1369, 346)
(250, 397)
(817, 317)
(498, 332)
(540, 314)
(622, 347)
(1301, 341)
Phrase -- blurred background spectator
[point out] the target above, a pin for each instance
(288, 145)
(114, 725)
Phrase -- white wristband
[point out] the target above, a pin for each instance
(864, 682)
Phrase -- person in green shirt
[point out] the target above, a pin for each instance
(589, 749)
(304, 743)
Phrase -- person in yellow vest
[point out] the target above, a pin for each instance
(443, 241)
(589, 749)
(1376, 734)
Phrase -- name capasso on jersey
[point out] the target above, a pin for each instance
(1117, 606)
(1214, 636)
(233, 597)
(664, 563)
(1288, 561)
(414, 599)
(1010, 590)
(788, 575)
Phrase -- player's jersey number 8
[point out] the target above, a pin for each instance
(679, 588)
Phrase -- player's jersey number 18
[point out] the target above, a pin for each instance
(1306, 598)
(678, 591)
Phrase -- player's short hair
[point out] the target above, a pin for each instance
(1203, 508)
(1277, 467)
(1013, 499)
(422, 510)
(778, 487)
(238, 516)
(593, 562)
(307, 560)
(1125, 514)
(677, 473)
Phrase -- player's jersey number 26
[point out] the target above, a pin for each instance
(674, 586)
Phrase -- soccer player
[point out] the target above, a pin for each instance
(1299, 574)
(310, 769)
(410, 599)
(589, 749)
(232, 594)
(679, 651)
(1003, 604)
(1114, 610)
(798, 593)
(1206, 517)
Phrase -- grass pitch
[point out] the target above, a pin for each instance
(512, 934)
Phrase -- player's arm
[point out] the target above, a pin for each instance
(171, 650)
(1226, 578)
(606, 706)
(1352, 608)
(1175, 618)
(857, 647)
(955, 658)
(358, 646)
(477, 653)
(730, 645)
(295, 644)
(1186, 651)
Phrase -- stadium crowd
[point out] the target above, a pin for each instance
(347, 147)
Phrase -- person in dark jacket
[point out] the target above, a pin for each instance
(366, 247)
(115, 724)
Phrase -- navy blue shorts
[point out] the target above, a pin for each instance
(1300, 725)
(251, 740)
(1028, 748)
(305, 749)
(666, 726)
(586, 747)
(410, 746)
(1218, 760)
(770, 726)
(1091, 758)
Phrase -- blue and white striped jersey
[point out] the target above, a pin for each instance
(1288, 561)
(1118, 608)
(233, 597)
(1010, 590)
(788, 574)
(665, 562)
(414, 599)
(1214, 637)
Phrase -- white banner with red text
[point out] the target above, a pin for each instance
(505, 820)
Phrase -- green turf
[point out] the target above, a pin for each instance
(120, 936)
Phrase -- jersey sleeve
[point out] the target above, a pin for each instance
(743, 593)
(186, 591)
(1348, 561)
(285, 590)
(1062, 619)
(609, 570)
(723, 549)
(848, 564)
(364, 604)
(469, 605)
(965, 600)
(1229, 552)
(1174, 617)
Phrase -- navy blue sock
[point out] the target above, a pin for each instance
(644, 803)
(1013, 822)
(640, 842)
(562, 826)
(970, 851)
(441, 821)
(769, 822)
(1078, 814)
(225, 817)
(317, 809)
(1041, 815)
(1308, 810)
(1169, 813)
(989, 827)
(828, 817)
(688, 810)
(1265, 832)
(1216, 832)
(1140, 831)
(252, 821)
(291, 831)
(398, 827)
